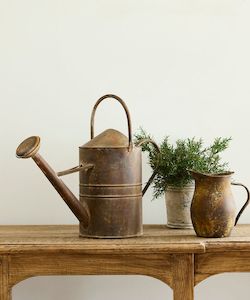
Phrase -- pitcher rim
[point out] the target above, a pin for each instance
(222, 174)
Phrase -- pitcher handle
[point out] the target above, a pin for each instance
(126, 111)
(246, 203)
(155, 171)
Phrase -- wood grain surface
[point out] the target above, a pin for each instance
(157, 238)
(54, 238)
(183, 276)
(176, 257)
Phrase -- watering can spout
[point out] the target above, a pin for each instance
(29, 148)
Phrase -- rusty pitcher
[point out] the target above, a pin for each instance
(110, 178)
(213, 209)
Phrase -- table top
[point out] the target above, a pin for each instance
(156, 239)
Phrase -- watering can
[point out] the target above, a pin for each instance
(110, 176)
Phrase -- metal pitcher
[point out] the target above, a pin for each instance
(213, 209)
(110, 176)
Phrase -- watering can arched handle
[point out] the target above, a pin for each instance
(127, 114)
(143, 141)
(246, 203)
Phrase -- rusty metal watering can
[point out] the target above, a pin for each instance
(110, 177)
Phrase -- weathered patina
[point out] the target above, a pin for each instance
(213, 209)
(110, 178)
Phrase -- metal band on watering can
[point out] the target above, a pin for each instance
(127, 114)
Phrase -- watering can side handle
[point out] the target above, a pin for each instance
(246, 203)
(126, 111)
(155, 171)
(81, 167)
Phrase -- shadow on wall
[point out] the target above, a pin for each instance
(230, 286)
(91, 287)
(131, 287)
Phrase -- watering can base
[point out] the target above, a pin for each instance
(110, 237)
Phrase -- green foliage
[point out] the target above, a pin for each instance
(174, 161)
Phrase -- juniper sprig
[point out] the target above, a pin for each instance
(174, 160)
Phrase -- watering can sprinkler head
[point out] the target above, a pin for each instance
(29, 147)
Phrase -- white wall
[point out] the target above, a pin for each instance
(181, 66)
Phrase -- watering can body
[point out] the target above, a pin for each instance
(112, 189)
(110, 181)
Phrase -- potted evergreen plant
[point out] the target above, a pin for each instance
(172, 176)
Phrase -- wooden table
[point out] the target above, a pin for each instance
(176, 257)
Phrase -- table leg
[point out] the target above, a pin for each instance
(183, 276)
(5, 289)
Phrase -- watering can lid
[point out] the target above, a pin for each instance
(109, 138)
